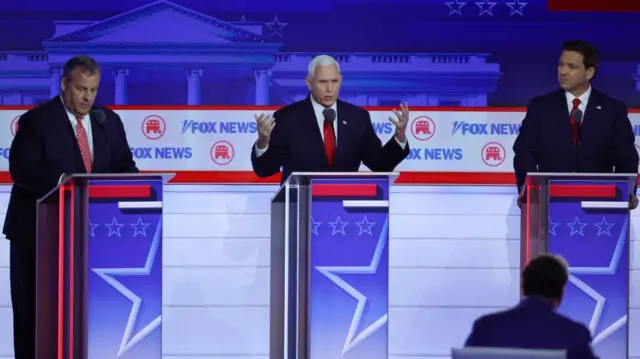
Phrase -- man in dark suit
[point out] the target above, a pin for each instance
(534, 323)
(576, 128)
(59, 138)
(324, 134)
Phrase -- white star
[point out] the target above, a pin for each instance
(577, 227)
(455, 7)
(330, 272)
(128, 339)
(339, 223)
(516, 7)
(315, 225)
(276, 26)
(486, 7)
(92, 229)
(365, 226)
(140, 228)
(600, 300)
(604, 227)
(552, 226)
(114, 228)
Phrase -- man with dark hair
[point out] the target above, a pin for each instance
(575, 128)
(534, 323)
(66, 135)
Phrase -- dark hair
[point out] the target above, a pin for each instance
(545, 276)
(588, 52)
(87, 63)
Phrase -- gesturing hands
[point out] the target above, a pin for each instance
(401, 122)
(265, 124)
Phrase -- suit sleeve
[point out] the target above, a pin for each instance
(270, 162)
(525, 148)
(122, 160)
(26, 157)
(380, 158)
(583, 349)
(475, 337)
(624, 150)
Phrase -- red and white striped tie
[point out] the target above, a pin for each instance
(83, 143)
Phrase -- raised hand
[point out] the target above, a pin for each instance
(401, 121)
(265, 124)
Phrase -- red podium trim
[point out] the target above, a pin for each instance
(582, 191)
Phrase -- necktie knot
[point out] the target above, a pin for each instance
(576, 103)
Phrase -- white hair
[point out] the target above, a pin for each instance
(321, 60)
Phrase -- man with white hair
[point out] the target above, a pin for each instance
(324, 134)
(534, 322)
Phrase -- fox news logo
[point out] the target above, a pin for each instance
(215, 127)
(479, 129)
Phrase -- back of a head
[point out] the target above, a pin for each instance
(545, 276)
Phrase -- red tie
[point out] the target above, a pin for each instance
(329, 141)
(574, 125)
(83, 143)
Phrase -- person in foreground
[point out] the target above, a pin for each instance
(576, 128)
(324, 134)
(63, 136)
(534, 323)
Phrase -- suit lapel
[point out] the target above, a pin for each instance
(591, 116)
(343, 131)
(315, 136)
(100, 155)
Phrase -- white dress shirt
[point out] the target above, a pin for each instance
(584, 98)
(318, 110)
(86, 123)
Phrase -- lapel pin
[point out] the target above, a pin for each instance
(599, 107)
(344, 122)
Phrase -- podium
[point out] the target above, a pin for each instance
(585, 218)
(330, 266)
(99, 267)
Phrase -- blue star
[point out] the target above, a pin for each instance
(552, 227)
(331, 273)
(367, 224)
(92, 229)
(114, 227)
(516, 7)
(577, 227)
(486, 7)
(128, 338)
(315, 225)
(455, 7)
(604, 227)
(600, 299)
(276, 26)
(140, 228)
(335, 225)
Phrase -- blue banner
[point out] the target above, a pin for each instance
(349, 281)
(124, 296)
(589, 227)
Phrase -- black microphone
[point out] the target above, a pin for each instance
(577, 116)
(329, 114)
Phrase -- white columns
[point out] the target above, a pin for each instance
(262, 86)
(193, 86)
(55, 79)
(120, 79)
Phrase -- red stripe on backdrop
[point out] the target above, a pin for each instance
(407, 178)
(273, 108)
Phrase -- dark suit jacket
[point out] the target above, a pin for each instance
(545, 142)
(533, 324)
(45, 147)
(296, 143)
